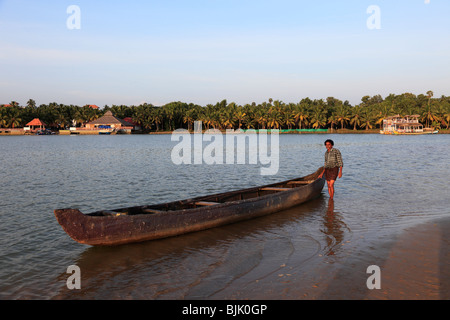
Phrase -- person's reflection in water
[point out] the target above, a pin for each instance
(333, 229)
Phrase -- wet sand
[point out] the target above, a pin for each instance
(418, 265)
(414, 265)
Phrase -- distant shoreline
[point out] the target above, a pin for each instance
(10, 132)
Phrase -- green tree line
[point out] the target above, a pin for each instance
(273, 114)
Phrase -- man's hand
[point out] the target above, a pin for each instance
(321, 175)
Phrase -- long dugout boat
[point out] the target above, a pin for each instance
(150, 222)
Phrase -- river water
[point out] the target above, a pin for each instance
(390, 183)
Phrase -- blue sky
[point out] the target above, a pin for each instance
(129, 52)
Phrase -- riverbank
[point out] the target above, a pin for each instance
(414, 265)
(418, 264)
(16, 132)
(329, 131)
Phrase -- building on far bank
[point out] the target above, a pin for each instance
(34, 125)
(110, 121)
(136, 125)
(405, 125)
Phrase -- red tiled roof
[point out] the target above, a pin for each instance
(35, 122)
(93, 106)
(130, 120)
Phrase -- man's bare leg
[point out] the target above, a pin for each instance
(331, 188)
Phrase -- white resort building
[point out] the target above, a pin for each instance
(402, 125)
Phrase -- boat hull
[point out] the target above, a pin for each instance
(123, 229)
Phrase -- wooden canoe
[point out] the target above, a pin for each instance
(135, 224)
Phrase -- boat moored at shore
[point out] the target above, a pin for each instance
(143, 223)
(407, 125)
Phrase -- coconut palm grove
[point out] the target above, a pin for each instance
(329, 113)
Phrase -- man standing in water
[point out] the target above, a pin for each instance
(333, 166)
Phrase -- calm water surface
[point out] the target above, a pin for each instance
(390, 183)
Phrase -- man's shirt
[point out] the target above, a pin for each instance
(333, 159)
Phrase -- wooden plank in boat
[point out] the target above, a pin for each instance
(152, 211)
(206, 203)
(275, 189)
(113, 213)
(300, 182)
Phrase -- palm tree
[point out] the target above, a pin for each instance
(141, 114)
(318, 116)
(274, 119)
(429, 115)
(14, 104)
(31, 103)
(89, 114)
(206, 119)
(79, 117)
(3, 117)
(240, 116)
(332, 120)
(189, 118)
(445, 117)
(301, 114)
(61, 120)
(367, 119)
(261, 118)
(157, 117)
(288, 118)
(13, 118)
(250, 121)
(355, 118)
(169, 115)
(121, 111)
(342, 114)
(226, 120)
(385, 109)
(430, 95)
(226, 116)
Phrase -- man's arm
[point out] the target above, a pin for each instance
(321, 175)
(340, 162)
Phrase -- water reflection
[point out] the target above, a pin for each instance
(333, 229)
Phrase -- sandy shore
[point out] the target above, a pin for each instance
(415, 265)
(418, 265)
